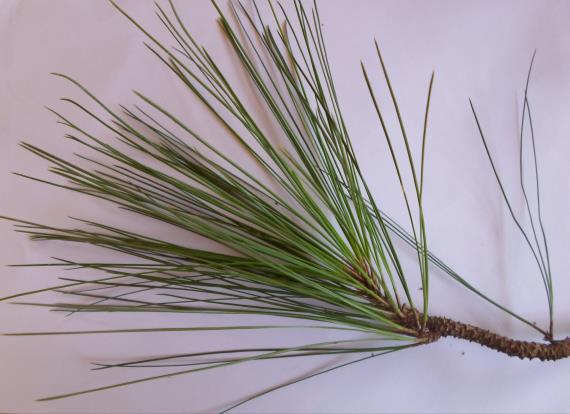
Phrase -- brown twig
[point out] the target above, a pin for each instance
(440, 327)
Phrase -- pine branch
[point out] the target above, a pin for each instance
(313, 245)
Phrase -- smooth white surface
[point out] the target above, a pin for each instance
(479, 49)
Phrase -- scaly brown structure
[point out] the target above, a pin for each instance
(439, 327)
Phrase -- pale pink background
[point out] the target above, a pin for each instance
(479, 49)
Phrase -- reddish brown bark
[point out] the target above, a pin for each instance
(545, 351)
(439, 327)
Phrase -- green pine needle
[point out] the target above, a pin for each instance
(313, 245)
